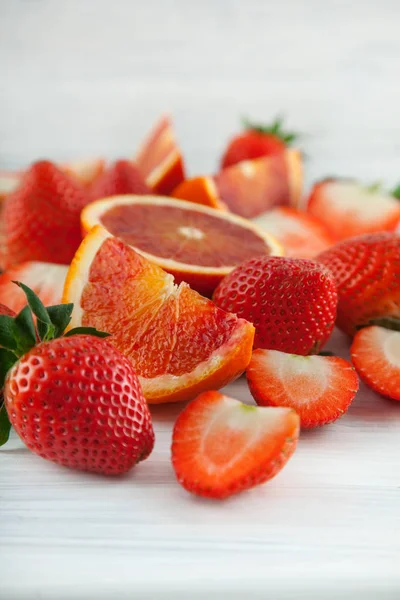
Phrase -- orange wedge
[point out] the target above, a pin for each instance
(251, 187)
(159, 158)
(179, 342)
(197, 244)
(201, 190)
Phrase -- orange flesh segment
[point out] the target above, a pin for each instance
(185, 236)
(163, 328)
(201, 190)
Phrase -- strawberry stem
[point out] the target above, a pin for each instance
(274, 129)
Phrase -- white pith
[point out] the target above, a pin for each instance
(352, 200)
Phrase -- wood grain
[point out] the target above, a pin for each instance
(80, 78)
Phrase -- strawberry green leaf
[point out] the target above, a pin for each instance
(87, 331)
(26, 330)
(5, 426)
(60, 316)
(8, 332)
(274, 129)
(7, 360)
(396, 192)
(45, 327)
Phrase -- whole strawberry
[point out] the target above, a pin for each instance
(366, 269)
(41, 219)
(256, 141)
(291, 302)
(74, 399)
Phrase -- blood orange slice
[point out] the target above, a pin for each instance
(201, 190)
(179, 342)
(197, 244)
(301, 234)
(45, 279)
(159, 158)
(252, 187)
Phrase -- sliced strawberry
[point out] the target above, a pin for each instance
(9, 181)
(221, 446)
(122, 177)
(301, 234)
(159, 158)
(84, 171)
(252, 187)
(347, 208)
(41, 219)
(45, 279)
(375, 353)
(319, 388)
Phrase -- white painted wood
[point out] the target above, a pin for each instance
(81, 77)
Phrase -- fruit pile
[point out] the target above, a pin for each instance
(129, 284)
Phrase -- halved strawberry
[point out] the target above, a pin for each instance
(301, 234)
(221, 446)
(122, 177)
(41, 219)
(9, 181)
(45, 279)
(85, 171)
(375, 353)
(319, 388)
(159, 158)
(347, 208)
(252, 187)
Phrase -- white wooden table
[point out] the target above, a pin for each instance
(84, 77)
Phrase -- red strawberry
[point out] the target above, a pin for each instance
(74, 400)
(122, 177)
(40, 220)
(367, 274)
(257, 141)
(291, 302)
(347, 208)
(221, 446)
(319, 388)
(375, 353)
(301, 234)
(45, 279)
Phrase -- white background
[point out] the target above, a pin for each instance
(81, 77)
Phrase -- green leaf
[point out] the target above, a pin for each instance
(45, 327)
(60, 316)
(8, 333)
(87, 331)
(396, 192)
(7, 360)
(5, 426)
(375, 187)
(26, 330)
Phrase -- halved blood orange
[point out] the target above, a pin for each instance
(201, 190)
(159, 158)
(197, 244)
(179, 342)
(301, 234)
(45, 279)
(252, 187)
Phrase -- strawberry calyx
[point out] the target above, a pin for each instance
(396, 192)
(388, 322)
(20, 334)
(275, 129)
